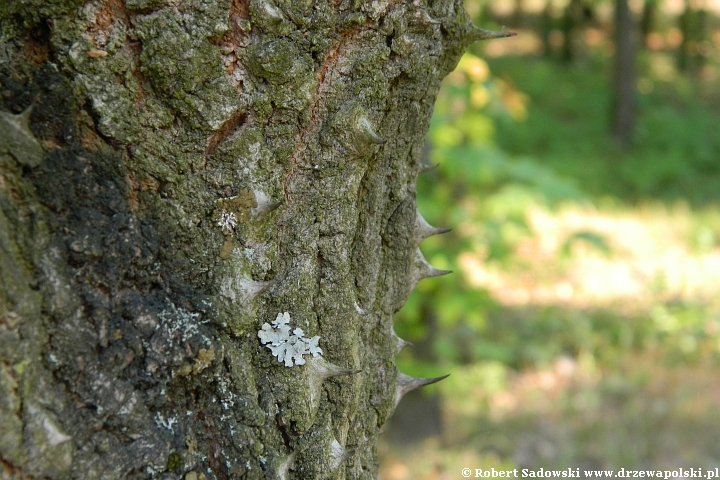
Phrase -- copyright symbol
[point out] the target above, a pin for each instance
(466, 472)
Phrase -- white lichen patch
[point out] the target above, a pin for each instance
(167, 423)
(288, 346)
(227, 222)
(178, 320)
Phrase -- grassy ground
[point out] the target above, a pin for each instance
(583, 326)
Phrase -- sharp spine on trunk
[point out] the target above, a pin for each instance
(428, 167)
(284, 468)
(424, 17)
(252, 289)
(324, 369)
(19, 140)
(424, 230)
(320, 370)
(365, 130)
(351, 125)
(23, 118)
(400, 343)
(270, 12)
(406, 383)
(338, 454)
(360, 310)
(265, 204)
(475, 34)
(424, 270)
(425, 165)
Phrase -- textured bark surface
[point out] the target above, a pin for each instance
(128, 316)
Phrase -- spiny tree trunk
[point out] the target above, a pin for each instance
(174, 175)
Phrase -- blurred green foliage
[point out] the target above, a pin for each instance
(487, 193)
(502, 152)
(622, 383)
(675, 153)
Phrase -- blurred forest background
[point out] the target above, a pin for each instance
(579, 167)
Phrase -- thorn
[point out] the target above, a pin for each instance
(265, 204)
(285, 466)
(338, 454)
(23, 117)
(425, 18)
(424, 269)
(400, 343)
(404, 45)
(325, 369)
(475, 34)
(253, 289)
(271, 13)
(367, 131)
(406, 383)
(424, 230)
(320, 370)
(427, 167)
(360, 310)
(17, 139)
(351, 124)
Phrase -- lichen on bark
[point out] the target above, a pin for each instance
(128, 317)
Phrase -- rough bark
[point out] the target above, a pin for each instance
(129, 317)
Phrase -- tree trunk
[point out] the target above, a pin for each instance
(173, 176)
(693, 26)
(570, 24)
(649, 18)
(623, 111)
(547, 25)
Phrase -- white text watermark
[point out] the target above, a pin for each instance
(577, 473)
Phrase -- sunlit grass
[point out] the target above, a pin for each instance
(626, 377)
(582, 256)
(573, 413)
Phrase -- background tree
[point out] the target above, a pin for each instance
(623, 110)
(573, 19)
(173, 176)
(648, 20)
(693, 48)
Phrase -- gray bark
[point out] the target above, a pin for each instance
(129, 317)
